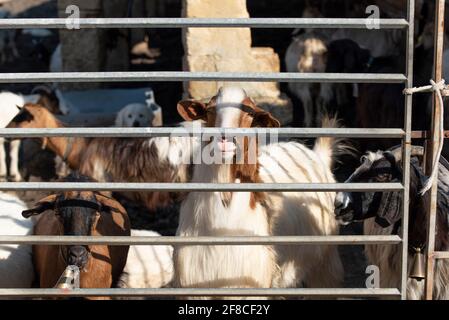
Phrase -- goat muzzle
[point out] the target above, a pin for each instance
(78, 256)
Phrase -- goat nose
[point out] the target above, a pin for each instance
(78, 256)
(342, 201)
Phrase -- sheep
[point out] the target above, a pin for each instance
(9, 108)
(381, 214)
(147, 266)
(158, 159)
(256, 213)
(16, 265)
(79, 213)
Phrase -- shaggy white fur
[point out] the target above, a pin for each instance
(147, 266)
(16, 266)
(296, 213)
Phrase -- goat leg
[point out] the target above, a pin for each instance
(14, 164)
(3, 169)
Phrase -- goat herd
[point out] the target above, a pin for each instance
(168, 159)
(163, 159)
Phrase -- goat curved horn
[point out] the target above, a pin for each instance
(42, 205)
(48, 90)
(109, 204)
(417, 151)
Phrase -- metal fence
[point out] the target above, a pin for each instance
(405, 134)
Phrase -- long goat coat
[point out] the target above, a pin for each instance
(259, 214)
(158, 159)
(16, 265)
(388, 258)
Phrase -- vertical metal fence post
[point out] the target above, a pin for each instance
(407, 145)
(431, 145)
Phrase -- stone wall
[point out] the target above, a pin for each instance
(77, 49)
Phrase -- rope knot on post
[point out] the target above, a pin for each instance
(437, 88)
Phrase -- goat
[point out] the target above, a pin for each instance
(16, 265)
(159, 159)
(381, 214)
(307, 53)
(147, 266)
(79, 213)
(10, 104)
(255, 213)
(376, 105)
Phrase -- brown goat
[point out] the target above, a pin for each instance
(116, 159)
(82, 214)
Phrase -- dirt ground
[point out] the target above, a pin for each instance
(40, 164)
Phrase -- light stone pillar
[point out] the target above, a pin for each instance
(229, 50)
(81, 50)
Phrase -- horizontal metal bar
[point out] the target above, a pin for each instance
(278, 240)
(60, 23)
(170, 292)
(142, 76)
(426, 134)
(160, 132)
(200, 187)
(441, 254)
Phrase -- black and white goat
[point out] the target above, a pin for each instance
(381, 213)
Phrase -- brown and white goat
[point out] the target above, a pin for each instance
(82, 213)
(10, 103)
(256, 213)
(160, 159)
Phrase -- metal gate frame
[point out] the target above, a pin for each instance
(405, 134)
(435, 132)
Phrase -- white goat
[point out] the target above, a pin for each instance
(147, 266)
(256, 214)
(16, 265)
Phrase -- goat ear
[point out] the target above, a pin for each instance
(42, 205)
(109, 204)
(390, 157)
(389, 211)
(191, 110)
(265, 120)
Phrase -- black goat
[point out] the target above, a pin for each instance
(370, 105)
(385, 209)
